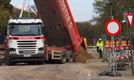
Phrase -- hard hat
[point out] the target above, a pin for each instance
(100, 39)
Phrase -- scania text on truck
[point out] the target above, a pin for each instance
(25, 41)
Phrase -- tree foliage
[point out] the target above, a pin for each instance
(108, 8)
(86, 29)
(5, 13)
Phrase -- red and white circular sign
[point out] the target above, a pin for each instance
(113, 27)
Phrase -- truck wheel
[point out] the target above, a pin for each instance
(8, 61)
(63, 59)
(71, 58)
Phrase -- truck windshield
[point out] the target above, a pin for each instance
(25, 30)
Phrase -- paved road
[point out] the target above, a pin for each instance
(69, 71)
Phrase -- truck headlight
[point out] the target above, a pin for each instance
(12, 51)
(41, 50)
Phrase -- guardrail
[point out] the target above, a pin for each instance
(91, 49)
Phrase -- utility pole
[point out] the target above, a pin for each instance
(130, 37)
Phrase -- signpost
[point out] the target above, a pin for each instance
(130, 18)
(113, 28)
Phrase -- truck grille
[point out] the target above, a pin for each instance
(26, 44)
(26, 47)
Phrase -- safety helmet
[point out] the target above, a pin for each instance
(100, 39)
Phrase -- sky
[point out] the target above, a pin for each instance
(82, 10)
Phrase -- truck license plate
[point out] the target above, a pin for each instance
(27, 55)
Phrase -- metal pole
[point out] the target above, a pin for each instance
(113, 52)
(112, 17)
(132, 65)
(113, 55)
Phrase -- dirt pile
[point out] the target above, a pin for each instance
(83, 56)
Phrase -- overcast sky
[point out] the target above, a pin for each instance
(82, 10)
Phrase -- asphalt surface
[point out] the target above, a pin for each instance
(97, 66)
(69, 71)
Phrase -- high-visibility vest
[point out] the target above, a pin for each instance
(100, 45)
(97, 44)
(85, 42)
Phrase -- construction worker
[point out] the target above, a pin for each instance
(100, 46)
(84, 44)
(97, 46)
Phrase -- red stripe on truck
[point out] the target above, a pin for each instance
(24, 37)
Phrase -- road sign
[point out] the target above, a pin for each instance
(129, 18)
(113, 27)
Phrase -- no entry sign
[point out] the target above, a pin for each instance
(113, 27)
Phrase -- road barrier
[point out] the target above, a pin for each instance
(117, 56)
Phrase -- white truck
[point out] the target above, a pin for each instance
(25, 41)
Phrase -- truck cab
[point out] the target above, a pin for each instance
(25, 41)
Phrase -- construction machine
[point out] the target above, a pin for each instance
(25, 41)
(63, 35)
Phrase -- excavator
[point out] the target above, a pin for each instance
(62, 30)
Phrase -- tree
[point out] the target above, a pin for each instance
(5, 13)
(86, 29)
(108, 8)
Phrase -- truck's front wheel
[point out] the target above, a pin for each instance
(8, 61)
